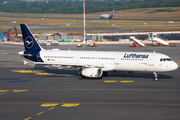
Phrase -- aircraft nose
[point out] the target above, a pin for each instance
(174, 66)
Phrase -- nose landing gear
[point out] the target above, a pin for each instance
(155, 77)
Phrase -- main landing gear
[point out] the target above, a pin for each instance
(155, 77)
(80, 76)
(105, 74)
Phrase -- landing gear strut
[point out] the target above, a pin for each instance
(156, 77)
(105, 74)
(80, 76)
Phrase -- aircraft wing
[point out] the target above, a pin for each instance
(71, 64)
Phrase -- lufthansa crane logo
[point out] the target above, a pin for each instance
(29, 42)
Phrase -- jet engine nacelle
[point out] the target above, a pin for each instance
(92, 72)
(125, 72)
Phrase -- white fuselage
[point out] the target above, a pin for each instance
(117, 61)
(105, 15)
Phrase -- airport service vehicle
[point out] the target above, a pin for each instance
(136, 41)
(95, 64)
(157, 41)
(107, 15)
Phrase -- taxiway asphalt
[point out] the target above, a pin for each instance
(37, 93)
(91, 18)
(48, 27)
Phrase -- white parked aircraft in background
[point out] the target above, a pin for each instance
(95, 64)
(107, 15)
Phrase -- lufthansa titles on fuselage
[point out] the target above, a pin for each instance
(135, 55)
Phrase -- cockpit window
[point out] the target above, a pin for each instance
(165, 59)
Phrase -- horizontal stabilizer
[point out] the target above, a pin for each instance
(26, 55)
(16, 54)
(9, 53)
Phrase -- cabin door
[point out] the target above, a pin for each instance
(117, 60)
(151, 60)
(77, 58)
(38, 58)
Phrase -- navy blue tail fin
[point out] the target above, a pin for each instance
(30, 44)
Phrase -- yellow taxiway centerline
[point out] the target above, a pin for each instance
(49, 104)
(70, 104)
(19, 90)
(27, 118)
(124, 81)
(110, 81)
(40, 113)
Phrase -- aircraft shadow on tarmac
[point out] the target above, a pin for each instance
(75, 73)
(143, 75)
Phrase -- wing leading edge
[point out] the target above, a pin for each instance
(72, 64)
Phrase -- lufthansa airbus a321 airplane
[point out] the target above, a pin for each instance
(95, 64)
